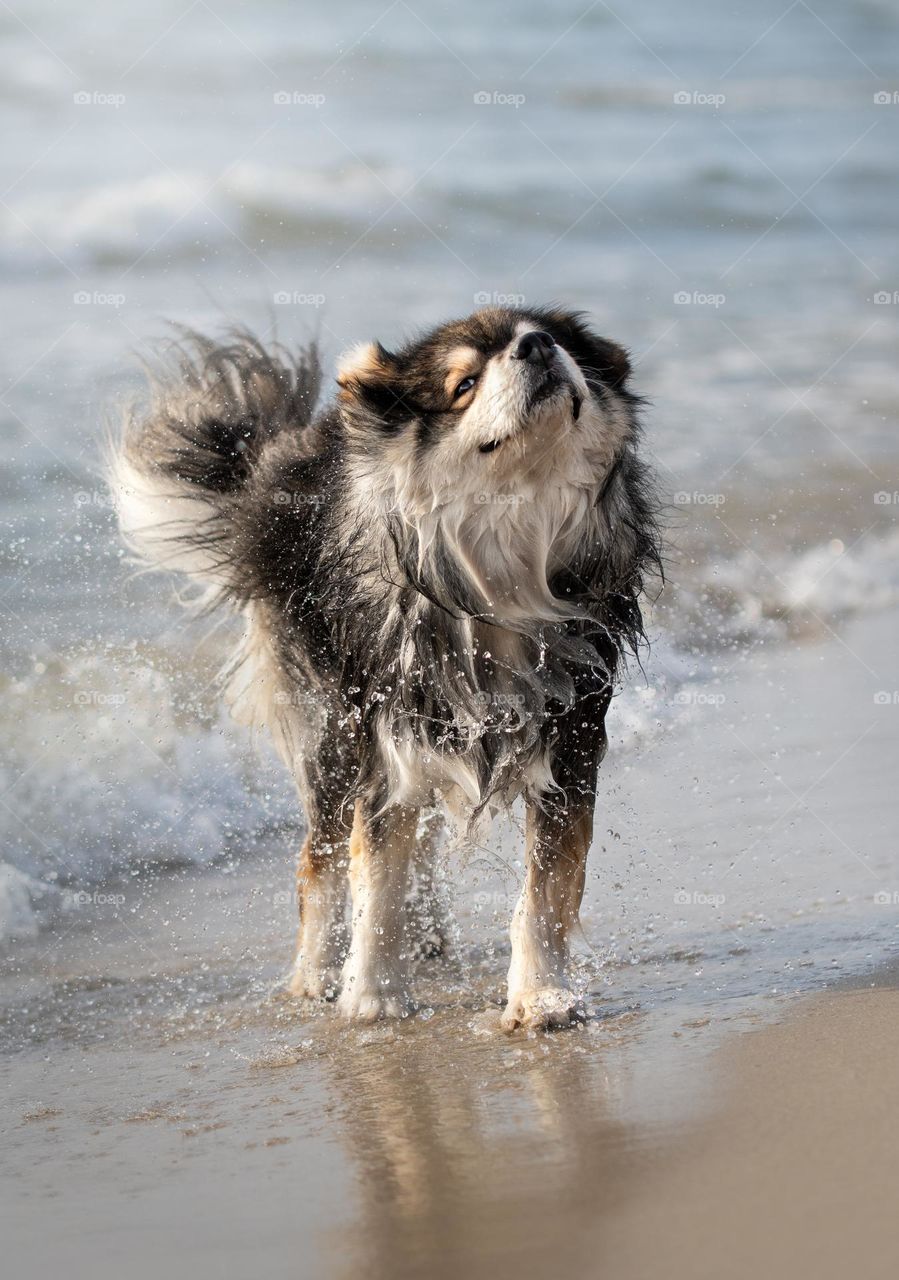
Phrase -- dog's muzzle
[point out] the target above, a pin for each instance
(545, 374)
(536, 348)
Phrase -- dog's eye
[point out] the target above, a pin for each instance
(465, 385)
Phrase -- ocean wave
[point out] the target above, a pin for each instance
(181, 211)
(110, 773)
(116, 768)
(730, 95)
(262, 207)
(762, 594)
(20, 898)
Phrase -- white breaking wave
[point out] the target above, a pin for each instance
(20, 898)
(119, 220)
(776, 595)
(112, 769)
(105, 775)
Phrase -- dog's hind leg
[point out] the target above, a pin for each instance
(325, 784)
(321, 895)
(374, 974)
(427, 910)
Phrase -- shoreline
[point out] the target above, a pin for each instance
(165, 1107)
(448, 1150)
(795, 1173)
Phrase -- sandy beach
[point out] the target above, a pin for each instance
(795, 1174)
(505, 1161)
(727, 1108)
(718, 195)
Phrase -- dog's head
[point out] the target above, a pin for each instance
(489, 449)
(505, 401)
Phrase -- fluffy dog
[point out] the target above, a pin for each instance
(440, 572)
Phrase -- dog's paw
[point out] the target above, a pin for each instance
(371, 1006)
(309, 982)
(545, 1009)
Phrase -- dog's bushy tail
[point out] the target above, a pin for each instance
(183, 460)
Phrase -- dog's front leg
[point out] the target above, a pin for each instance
(374, 975)
(539, 992)
(558, 838)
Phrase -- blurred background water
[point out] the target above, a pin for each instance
(716, 185)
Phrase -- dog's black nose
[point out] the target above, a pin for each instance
(534, 347)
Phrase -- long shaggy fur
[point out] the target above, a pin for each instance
(366, 612)
(440, 574)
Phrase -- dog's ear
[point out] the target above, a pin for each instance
(370, 382)
(610, 360)
(601, 357)
(363, 365)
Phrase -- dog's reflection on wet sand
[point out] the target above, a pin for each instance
(477, 1154)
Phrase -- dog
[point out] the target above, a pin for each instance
(440, 571)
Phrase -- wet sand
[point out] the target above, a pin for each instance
(797, 1172)
(728, 1110)
(443, 1150)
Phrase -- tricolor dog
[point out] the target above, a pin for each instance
(440, 569)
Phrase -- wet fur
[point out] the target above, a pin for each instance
(408, 630)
